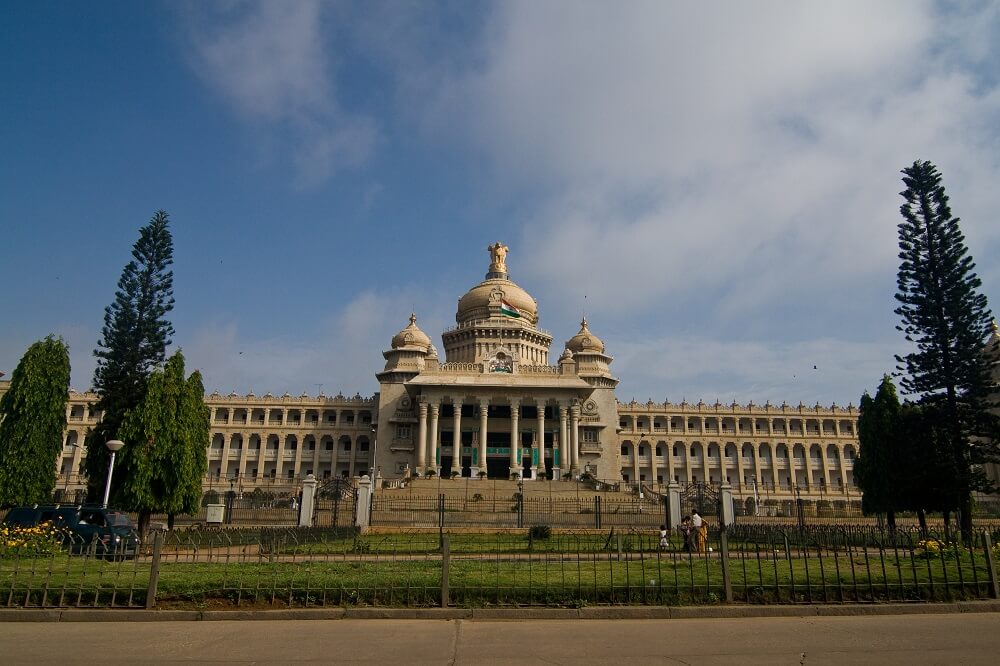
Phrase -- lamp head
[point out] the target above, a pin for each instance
(114, 444)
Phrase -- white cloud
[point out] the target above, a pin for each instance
(823, 370)
(750, 149)
(342, 351)
(272, 61)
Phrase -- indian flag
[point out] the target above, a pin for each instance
(508, 309)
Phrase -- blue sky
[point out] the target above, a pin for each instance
(716, 186)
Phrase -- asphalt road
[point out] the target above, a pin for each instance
(966, 638)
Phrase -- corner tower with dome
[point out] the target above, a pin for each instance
(495, 407)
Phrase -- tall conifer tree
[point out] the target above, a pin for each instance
(948, 321)
(133, 340)
(32, 421)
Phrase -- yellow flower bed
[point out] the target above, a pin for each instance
(43, 538)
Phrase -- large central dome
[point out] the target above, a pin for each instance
(486, 299)
(497, 315)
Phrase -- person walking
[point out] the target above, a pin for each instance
(700, 530)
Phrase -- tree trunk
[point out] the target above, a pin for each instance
(143, 526)
(890, 519)
(947, 525)
(922, 519)
(965, 517)
(170, 521)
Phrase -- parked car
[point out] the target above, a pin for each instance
(86, 529)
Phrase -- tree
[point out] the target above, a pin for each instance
(947, 320)
(32, 421)
(163, 461)
(876, 467)
(133, 340)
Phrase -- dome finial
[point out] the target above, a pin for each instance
(498, 256)
(413, 318)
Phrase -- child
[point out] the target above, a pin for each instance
(663, 537)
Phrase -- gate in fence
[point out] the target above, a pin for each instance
(701, 497)
(337, 503)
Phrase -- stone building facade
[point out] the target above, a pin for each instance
(496, 406)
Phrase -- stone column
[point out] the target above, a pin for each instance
(565, 457)
(826, 467)
(279, 459)
(244, 445)
(422, 439)
(740, 470)
(652, 464)
(774, 467)
(635, 461)
(540, 467)
(484, 410)
(840, 463)
(515, 436)
(432, 447)
(456, 438)
(670, 463)
(574, 434)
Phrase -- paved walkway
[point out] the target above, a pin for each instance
(953, 638)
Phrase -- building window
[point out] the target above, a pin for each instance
(402, 432)
(624, 450)
(590, 435)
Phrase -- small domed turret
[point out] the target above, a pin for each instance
(585, 341)
(411, 337)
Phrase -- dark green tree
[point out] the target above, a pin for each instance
(947, 320)
(876, 469)
(32, 421)
(924, 469)
(163, 461)
(133, 340)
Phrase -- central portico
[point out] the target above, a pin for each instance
(495, 407)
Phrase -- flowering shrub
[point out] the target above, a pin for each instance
(933, 549)
(42, 539)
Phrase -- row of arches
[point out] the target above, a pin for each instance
(779, 466)
(750, 425)
(291, 416)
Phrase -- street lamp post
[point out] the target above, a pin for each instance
(113, 445)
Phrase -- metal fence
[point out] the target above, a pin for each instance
(597, 511)
(532, 566)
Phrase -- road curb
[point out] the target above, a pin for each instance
(494, 614)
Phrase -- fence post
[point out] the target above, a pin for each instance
(306, 506)
(154, 569)
(727, 513)
(597, 511)
(445, 565)
(991, 566)
(361, 510)
(727, 581)
(673, 505)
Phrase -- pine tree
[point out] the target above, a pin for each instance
(947, 320)
(876, 467)
(134, 339)
(163, 461)
(32, 421)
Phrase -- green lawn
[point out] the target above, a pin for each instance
(404, 569)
